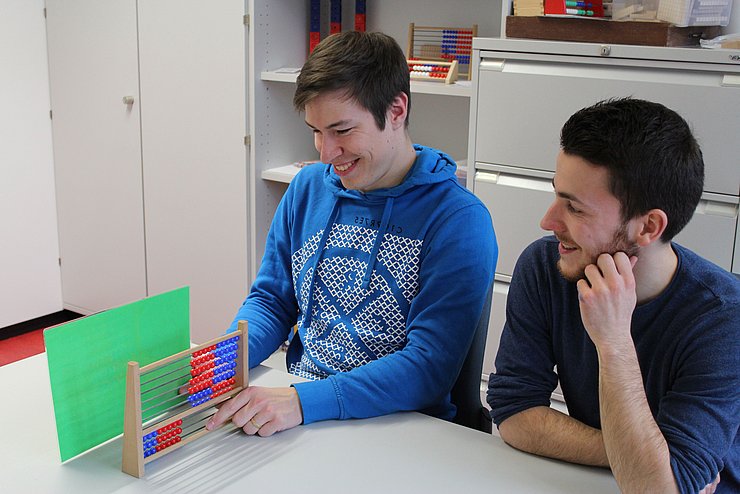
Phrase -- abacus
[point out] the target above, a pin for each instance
(429, 70)
(443, 44)
(169, 401)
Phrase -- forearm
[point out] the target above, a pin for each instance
(546, 432)
(637, 451)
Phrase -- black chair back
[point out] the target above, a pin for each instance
(465, 392)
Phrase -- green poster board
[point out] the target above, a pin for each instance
(88, 359)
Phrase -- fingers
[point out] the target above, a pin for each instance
(262, 411)
(242, 411)
(250, 420)
(610, 268)
(228, 409)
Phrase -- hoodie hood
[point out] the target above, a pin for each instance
(431, 166)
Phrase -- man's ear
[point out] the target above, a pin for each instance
(398, 111)
(651, 226)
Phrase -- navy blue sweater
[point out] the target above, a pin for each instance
(688, 346)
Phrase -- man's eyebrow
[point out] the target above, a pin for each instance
(565, 195)
(340, 123)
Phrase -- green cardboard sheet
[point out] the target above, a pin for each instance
(88, 358)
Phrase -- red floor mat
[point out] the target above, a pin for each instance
(22, 346)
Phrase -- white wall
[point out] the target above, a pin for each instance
(30, 284)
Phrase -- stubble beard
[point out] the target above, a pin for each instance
(619, 243)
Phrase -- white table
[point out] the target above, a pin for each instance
(404, 452)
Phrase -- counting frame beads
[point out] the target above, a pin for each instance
(169, 401)
(444, 44)
(428, 70)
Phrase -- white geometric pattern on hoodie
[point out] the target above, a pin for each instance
(375, 315)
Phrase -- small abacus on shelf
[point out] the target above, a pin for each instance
(443, 44)
(169, 402)
(429, 70)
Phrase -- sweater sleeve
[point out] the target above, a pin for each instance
(700, 416)
(457, 268)
(271, 308)
(524, 376)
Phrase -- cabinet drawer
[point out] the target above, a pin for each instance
(711, 232)
(517, 203)
(523, 104)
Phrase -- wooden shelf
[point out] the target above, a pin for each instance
(459, 88)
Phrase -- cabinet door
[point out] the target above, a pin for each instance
(522, 105)
(517, 203)
(97, 151)
(193, 123)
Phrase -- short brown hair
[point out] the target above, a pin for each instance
(370, 67)
(653, 159)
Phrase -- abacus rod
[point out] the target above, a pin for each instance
(190, 351)
(442, 28)
(190, 411)
(181, 402)
(166, 373)
(177, 378)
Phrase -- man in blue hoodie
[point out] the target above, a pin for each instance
(377, 254)
(642, 333)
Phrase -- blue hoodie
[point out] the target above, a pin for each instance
(386, 288)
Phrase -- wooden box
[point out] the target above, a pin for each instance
(591, 30)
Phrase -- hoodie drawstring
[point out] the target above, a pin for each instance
(319, 254)
(378, 240)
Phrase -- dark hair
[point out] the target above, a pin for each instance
(370, 67)
(654, 161)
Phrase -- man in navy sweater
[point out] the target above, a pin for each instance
(643, 334)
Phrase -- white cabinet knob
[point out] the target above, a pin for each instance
(128, 100)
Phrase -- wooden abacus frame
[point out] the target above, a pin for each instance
(433, 49)
(133, 429)
(448, 79)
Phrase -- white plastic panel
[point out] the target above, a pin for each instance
(517, 204)
(523, 104)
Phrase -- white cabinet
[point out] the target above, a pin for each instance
(524, 91)
(152, 191)
(279, 40)
(97, 152)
